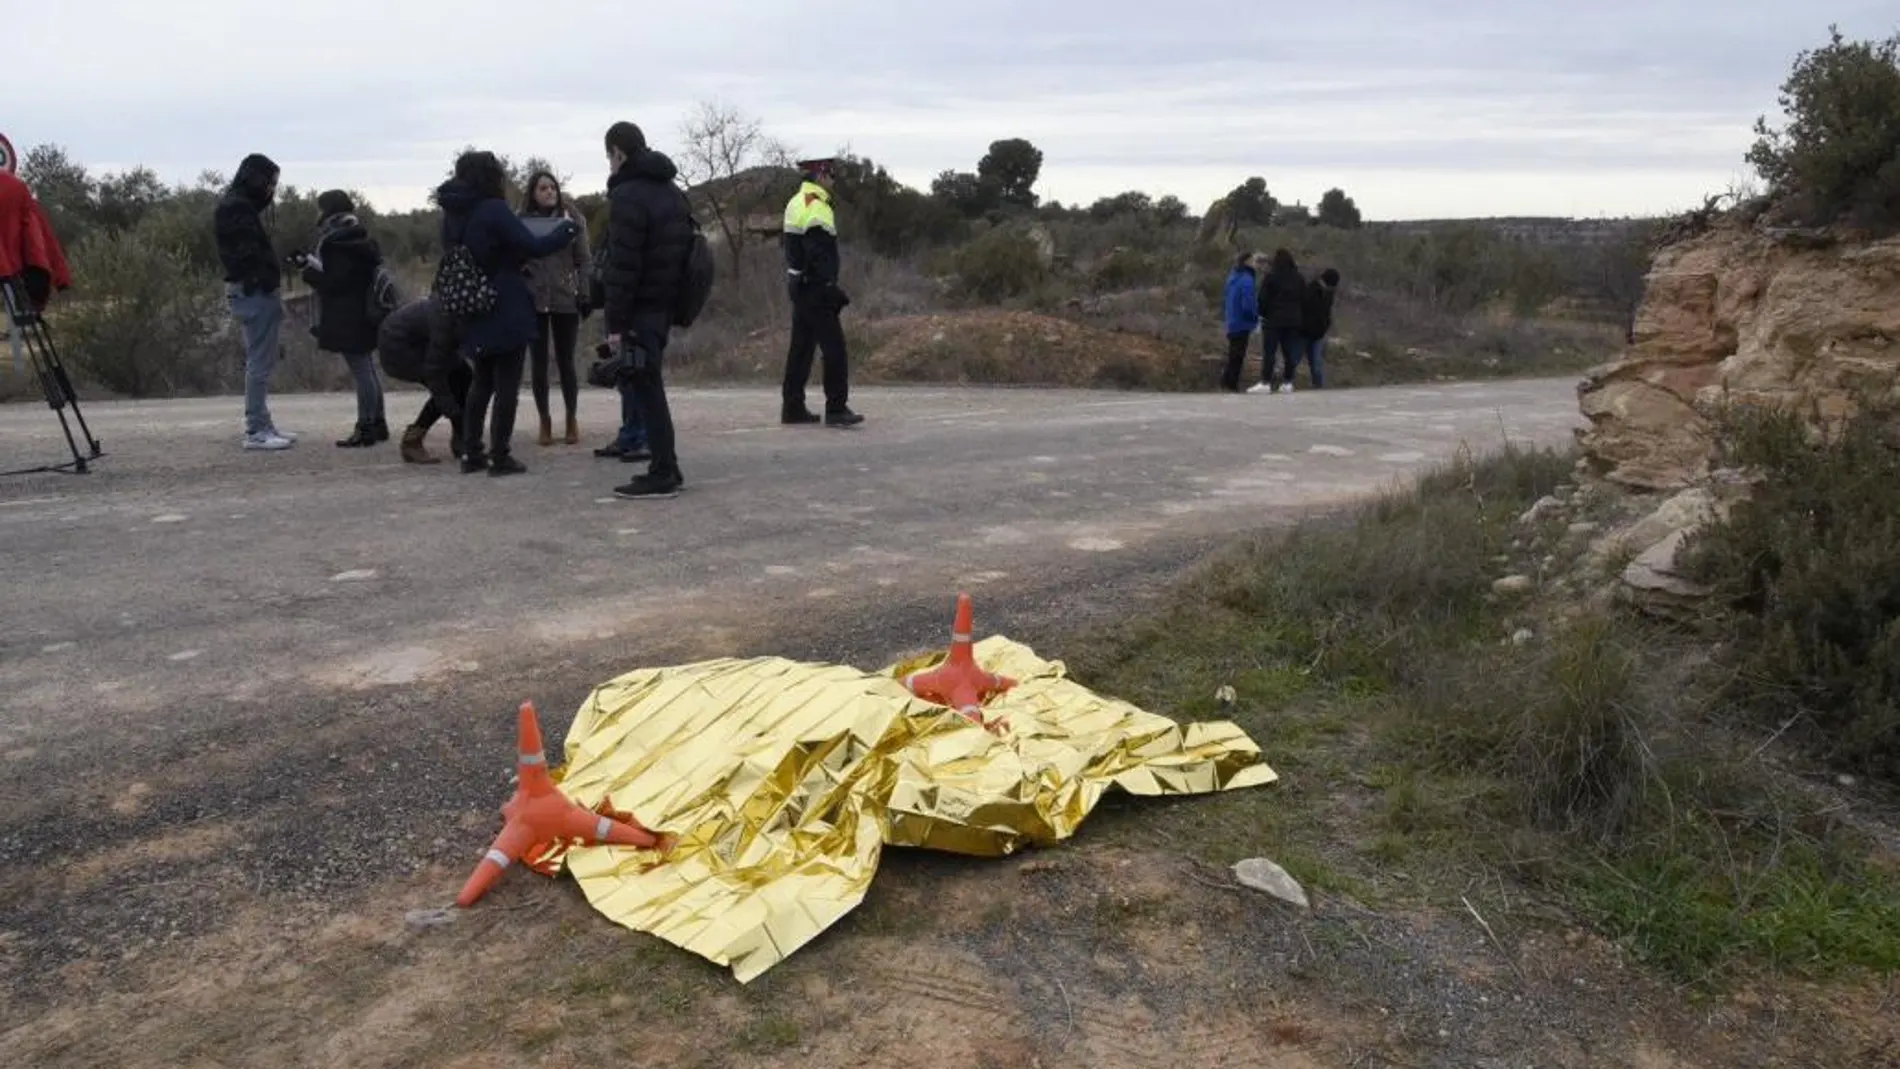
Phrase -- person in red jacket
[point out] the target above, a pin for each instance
(29, 250)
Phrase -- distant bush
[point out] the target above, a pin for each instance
(1839, 156)
(147, 324)
(1001, 264)
(1126, 269)
(1812, 564)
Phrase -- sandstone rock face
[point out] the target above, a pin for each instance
(1652, 584)
(1739, 315)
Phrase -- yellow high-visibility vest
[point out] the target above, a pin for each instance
(810, 209)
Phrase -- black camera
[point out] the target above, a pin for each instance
(608, 365)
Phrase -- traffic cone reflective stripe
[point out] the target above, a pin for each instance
(539, 814)
(958, 682)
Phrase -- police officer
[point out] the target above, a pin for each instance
(811, 262)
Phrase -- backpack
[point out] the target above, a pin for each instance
(384, 295)
(696, 281)
(463, 288)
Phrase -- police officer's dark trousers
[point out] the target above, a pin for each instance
(815, 328)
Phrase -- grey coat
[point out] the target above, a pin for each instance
(559, 282)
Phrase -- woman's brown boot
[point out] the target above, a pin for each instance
(412, 451)
(547, 430)
(573, 430)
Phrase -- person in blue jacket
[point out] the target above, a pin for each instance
(475, 213)
(1243, 315)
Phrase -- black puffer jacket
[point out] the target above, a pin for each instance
(649, 234)
(1283, 298)
(243, 241)
(1318, 321)
(403, 341)
(349, 258)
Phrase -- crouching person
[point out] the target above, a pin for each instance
(420, 343)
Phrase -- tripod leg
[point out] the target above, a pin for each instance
(44, 336)
(55, 399)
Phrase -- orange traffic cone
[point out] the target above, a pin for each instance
(958, 682)
(539, 813)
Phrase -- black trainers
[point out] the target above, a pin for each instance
(608, 451)
(650, 486)
(797, 417)
(636, 455)
(842, 417)
(505, 464)
(474, 462)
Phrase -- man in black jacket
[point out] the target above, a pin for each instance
(649, 235)
(1317, 322)
(252, 277)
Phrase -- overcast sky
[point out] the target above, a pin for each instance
(1418, 109)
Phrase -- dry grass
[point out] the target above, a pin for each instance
(1374, 664)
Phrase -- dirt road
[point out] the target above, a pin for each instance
(243, 694)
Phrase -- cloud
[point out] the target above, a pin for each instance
(1456, 107)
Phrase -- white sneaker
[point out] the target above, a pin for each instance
(288, 436)
(268, 440)
(1260, 387)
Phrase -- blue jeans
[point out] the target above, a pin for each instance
(369, 388)
(1316, 361)
(262, 317)
(633, 433)
(1289, 343)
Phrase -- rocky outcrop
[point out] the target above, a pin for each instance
(1653, 584)
(1740, 314)
(1628, 551)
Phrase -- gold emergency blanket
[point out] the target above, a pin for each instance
(783, 782)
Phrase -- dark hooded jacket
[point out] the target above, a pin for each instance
(349, 258)
(418, 341)
(403, 342)
(649, 234)
(1318, 321)
(1283, 298)
(244, 245)
(502, 246)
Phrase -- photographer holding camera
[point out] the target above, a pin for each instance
(649, 233)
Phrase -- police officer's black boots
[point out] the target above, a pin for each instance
(796, 416)
(842, 417)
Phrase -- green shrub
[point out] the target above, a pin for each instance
(1812, 564)
(1002, 264)
(1839, 155)
(1126, 269)
(143, 323)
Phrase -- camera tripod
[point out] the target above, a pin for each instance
(30, 334)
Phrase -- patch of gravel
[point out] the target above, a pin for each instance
(323, 795)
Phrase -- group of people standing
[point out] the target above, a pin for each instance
(1292, 314)
(515, 282)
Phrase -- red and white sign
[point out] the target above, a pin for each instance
(9, 160)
